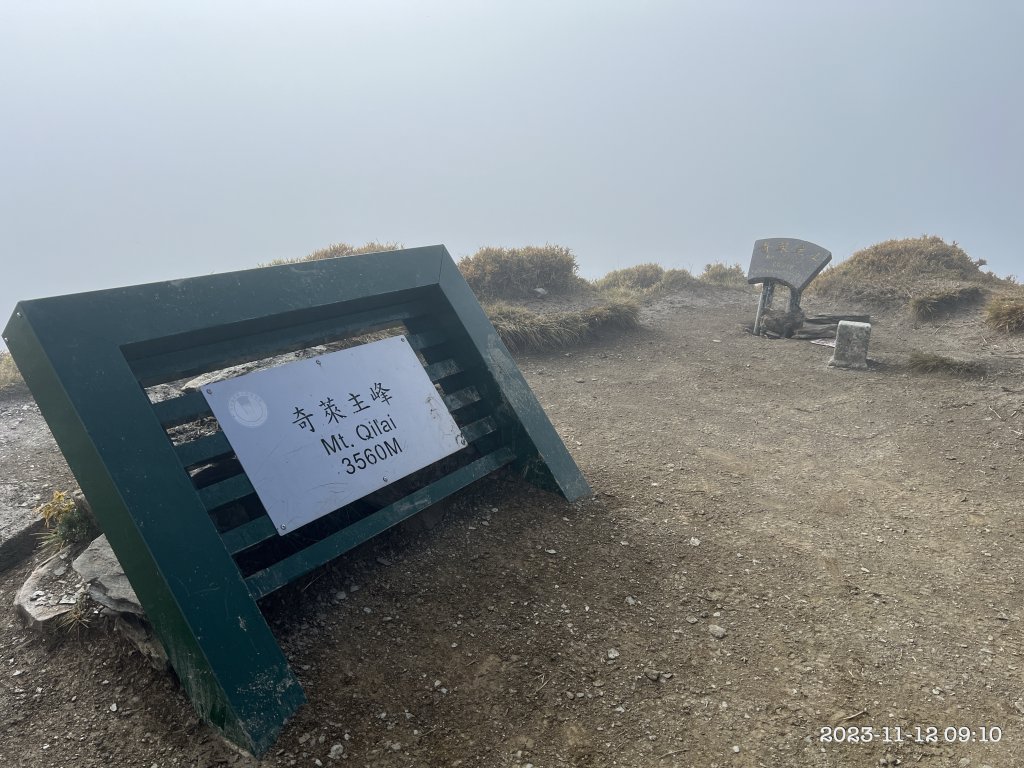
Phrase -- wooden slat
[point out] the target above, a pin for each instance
(180, 410)
(427, 339)
(462, 397)
(246, 347)
(249, 535)
(226, 491)
(264, 582)
(204, 449)
(262, 528)
(442, 369)
(476, 430)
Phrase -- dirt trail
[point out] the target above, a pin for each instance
(856, 536)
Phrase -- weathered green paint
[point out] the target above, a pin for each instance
(86, 358)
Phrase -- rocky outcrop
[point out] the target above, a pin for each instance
(107, 584)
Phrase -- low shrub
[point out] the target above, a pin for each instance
(497, 273)
(940, 301)
(722, 274)
(638, 278)
(888, 272)
(337, 250)
(677, 279)
(10, 376)
(1006, 314)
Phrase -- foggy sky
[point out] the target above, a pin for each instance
(143, 142)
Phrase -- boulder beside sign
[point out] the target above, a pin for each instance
(317, 434)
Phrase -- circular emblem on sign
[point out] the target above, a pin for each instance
(248, 409)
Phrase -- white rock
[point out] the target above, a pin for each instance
(716, 631)
(44, 596)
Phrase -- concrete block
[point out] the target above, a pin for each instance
(851, 345)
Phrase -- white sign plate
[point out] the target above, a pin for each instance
(317, 434)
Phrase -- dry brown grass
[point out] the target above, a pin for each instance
(645, 281)
(522, 329)
(513, 273)
(928, 362)
(889, 272)
(941, 301)
(338, 250)
(1006, 314)
(10, 376)
(678, 279)
(638, 277)
(722, 274)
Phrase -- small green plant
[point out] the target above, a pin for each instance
(940, 301)
(77, 620)
(722, 274)
(338, 250)
(10, 376)
(927, 362)
(67, 522)
(509, 273)
(1006, 314)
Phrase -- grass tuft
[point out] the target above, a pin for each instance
(338, 250)
(67, 522)
(1006, 314)
(927, 362)
(511, 273)
(77, 620)
(722, 274)
(888, 272)
(522, 329)
(10, 376)
(678, 279)
(941, 301)
(638, 278)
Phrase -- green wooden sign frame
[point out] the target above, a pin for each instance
(90, 360)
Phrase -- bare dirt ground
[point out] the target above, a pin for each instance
(852, 538)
